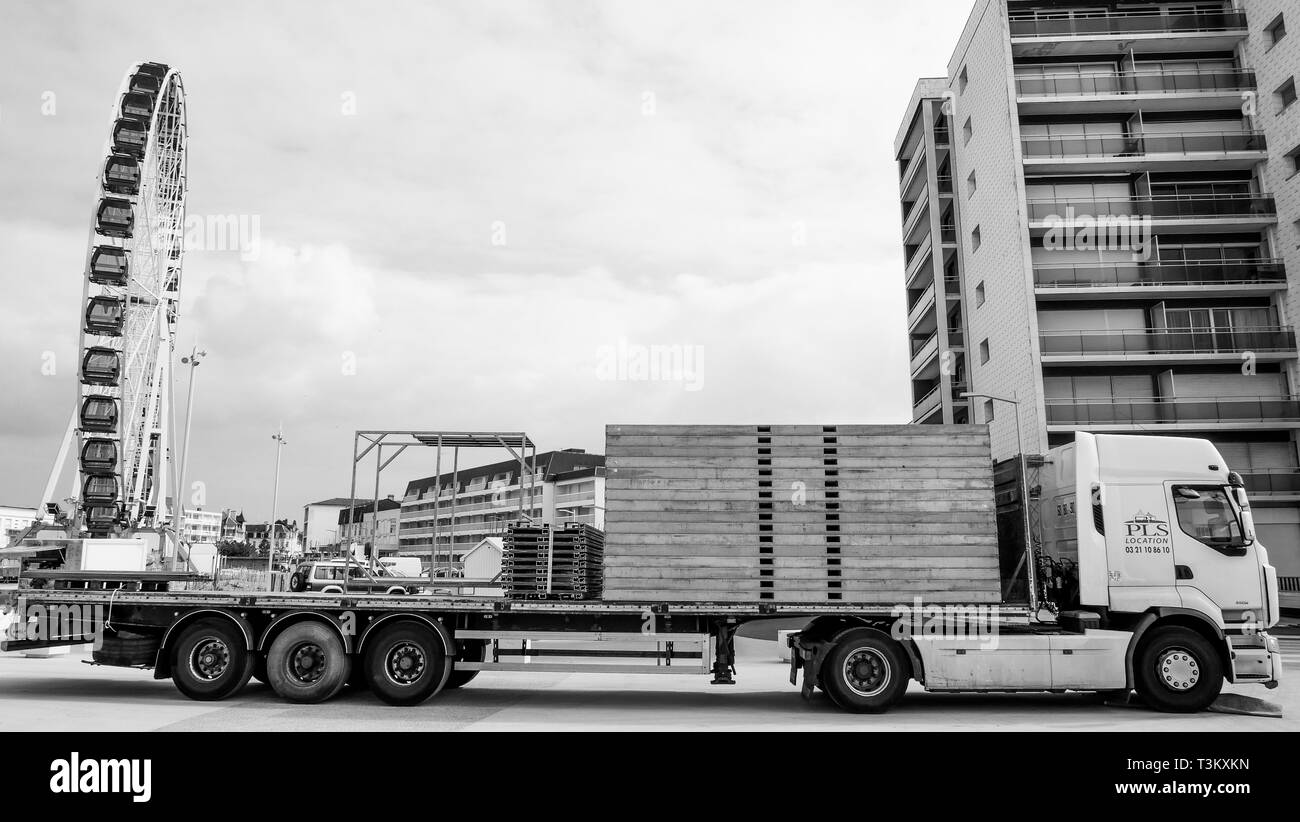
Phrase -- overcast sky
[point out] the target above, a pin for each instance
(464, 210)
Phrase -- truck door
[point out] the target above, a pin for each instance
(1139, 548)
(1211, 553)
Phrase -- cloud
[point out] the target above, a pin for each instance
(715, 175)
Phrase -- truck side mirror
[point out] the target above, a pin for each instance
(1247, 526)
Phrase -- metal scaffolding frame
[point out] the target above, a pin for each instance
(517, 444)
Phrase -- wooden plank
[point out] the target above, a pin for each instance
(869, 431)
(900, 455)
(900, 563)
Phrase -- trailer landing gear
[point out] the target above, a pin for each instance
(724, 656)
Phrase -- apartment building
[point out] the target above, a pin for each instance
(364, 526)
(14, 521)
(1100, 205)
(473, 503)
(200, 527)
(320, 522)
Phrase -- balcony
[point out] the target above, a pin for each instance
(923, 351)
(1271, 482)
(948, 233)
(1101, 32)
(917, 222)
(922, 305)
(916, 257)
(1193, 151)
(945, 185)
(942, 138)
(914, 178)
(1190, 413)
(1154, 346)
(1145, 89)
(1165, 279)
(925, 406)
(1189, 212)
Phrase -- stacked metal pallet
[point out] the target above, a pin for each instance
(795, 513)
(575, 570)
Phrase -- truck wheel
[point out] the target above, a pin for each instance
(865, 672)
(406, 663)
(307, 663)
(210, 662)
(1177, 670)
(471, 650)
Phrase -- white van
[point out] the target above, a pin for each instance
(406, 567)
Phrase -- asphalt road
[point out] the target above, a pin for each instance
(63, 693)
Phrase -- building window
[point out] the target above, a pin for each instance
(1276, 30)
(967, 131)
(984, 352)
(976, 239)
(963, 80)
(988, 410)
(1286, 94)
(979, 294)
(972, 185)
(1293, 158)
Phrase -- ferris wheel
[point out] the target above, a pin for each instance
(129, 311)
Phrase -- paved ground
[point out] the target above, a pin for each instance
(62, 693)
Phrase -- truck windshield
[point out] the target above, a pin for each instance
(1206, 514)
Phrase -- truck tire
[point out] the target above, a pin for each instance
(471, 650)
(125, 648)
(406, 663)
(210, 662)
(865, 672)
(1177, 670)
(307, 663)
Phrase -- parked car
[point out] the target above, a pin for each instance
(327, 578)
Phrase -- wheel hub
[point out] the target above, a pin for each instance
(307, 663)
(406, 663)
(210, 659)
(1178, 669)
(866, 672)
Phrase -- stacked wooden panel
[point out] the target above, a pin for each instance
(796, 513)
(575, 572)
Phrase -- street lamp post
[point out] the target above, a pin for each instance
(275, 500)
(1014, 401)
(178, 516)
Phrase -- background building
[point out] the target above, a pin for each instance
(287, 536)
(320, 522)
(14, 521)
(363, 527)
(1100, 207)
(232, 525)
(199, 526)
(570, 487)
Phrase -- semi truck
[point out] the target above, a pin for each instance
(1145, 575)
